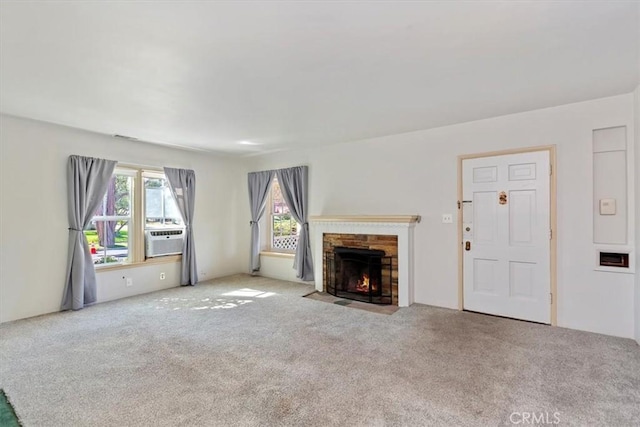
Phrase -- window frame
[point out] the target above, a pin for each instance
(136, 233)
(155, 174)
(269, 226)
(113, 218)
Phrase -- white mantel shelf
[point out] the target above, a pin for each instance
(393, 225)
(401, 219)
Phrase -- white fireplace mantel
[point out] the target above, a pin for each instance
(391, 225)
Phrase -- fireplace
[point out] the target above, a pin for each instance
(391, 233)
(360, 274)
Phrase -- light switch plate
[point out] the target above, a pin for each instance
(607, 206)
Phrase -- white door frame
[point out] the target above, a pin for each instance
(552, 214)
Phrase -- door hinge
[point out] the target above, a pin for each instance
(550, 234)
(550, 169)
(550, 298)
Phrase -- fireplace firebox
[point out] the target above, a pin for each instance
(359, 274)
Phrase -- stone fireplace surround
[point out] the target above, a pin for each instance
(387, 244)
(384, 225)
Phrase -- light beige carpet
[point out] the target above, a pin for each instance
(251, 351)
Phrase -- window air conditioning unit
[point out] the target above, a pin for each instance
(163, 242)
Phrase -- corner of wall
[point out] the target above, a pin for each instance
(636, 131)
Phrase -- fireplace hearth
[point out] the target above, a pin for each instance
(359, 274)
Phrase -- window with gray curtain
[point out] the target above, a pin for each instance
(87, 181)
(183, 187)
(294, 184)
(259, 184)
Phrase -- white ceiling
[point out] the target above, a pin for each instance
(289, 74)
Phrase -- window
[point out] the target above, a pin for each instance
(108, 233)
(283, 228)
(116, 233)
(160, 207)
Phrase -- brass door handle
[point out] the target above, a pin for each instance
(467, 246)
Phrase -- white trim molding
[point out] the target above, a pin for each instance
(391, 225)
(407, 219)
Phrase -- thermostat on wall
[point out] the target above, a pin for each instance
(607, 206)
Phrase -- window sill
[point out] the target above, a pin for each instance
(151, 261)
(278, 254)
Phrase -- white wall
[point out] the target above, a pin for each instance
(278, 268)
(33, 220)
(637, 172)
(415, 173)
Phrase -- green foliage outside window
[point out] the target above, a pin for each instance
(284, 225)
(121, 238)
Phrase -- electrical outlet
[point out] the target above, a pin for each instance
(162, 276)
(202, 274)
(129, 281)
(447, 218)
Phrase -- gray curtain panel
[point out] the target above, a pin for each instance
(87, 181)
(294, 184)
(259, 184)
(183, 186)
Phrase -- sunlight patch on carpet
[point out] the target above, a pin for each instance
(175, 304)
(251, 293)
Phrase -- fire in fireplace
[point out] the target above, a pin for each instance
(359, 274)
(363, 284)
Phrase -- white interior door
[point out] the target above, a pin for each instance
(506, 235)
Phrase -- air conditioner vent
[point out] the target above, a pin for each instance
(166, 232)
(163, 242)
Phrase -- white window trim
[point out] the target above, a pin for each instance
(111, 218)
